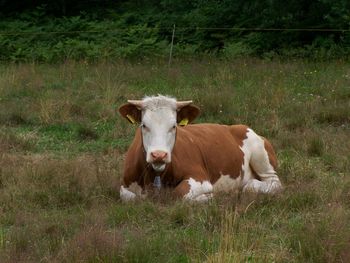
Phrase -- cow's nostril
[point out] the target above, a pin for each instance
(158, 155)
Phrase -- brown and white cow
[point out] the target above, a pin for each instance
(196, 160)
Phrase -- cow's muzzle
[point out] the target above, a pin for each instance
(159, 156)
(159, 159)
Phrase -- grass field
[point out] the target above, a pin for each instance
(61, 153)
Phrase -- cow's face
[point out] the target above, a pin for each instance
(158, 118)
(158, 136)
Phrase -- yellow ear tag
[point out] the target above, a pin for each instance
(183, 122)
(130, 118)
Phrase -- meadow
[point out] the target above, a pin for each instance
(62, 145)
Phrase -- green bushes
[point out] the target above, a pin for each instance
(86, 31)
(76, 38)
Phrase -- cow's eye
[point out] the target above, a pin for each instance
(172, 128)
(143, 126)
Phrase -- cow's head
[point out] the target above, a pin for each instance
(158, 117)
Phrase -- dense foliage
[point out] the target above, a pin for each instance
(91, 29)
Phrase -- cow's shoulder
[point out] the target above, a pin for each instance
(135, 151)
(135, 162)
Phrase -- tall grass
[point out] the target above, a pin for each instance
(62, 147)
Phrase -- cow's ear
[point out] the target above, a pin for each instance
(186, 114)
(131, 112)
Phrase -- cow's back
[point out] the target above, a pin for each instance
(214, 147)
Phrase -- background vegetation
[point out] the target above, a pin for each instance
(129, 29)
(62, 146)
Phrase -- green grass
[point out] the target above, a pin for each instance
(62, 148)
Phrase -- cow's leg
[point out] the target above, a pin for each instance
(260, 159)
(197, 190)
(131, 192)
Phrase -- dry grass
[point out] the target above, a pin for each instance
(62, 147)
(49, 182)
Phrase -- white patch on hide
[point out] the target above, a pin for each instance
(268, 187)
(130, 193)
(256, 156)
(199, 191)
(246, 149)
(158, 131)
(227, 184)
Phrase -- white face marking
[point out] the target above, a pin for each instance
(130, 193)
(227, 184)
(199, 191)
(158, 134)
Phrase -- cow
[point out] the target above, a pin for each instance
(196, 160)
